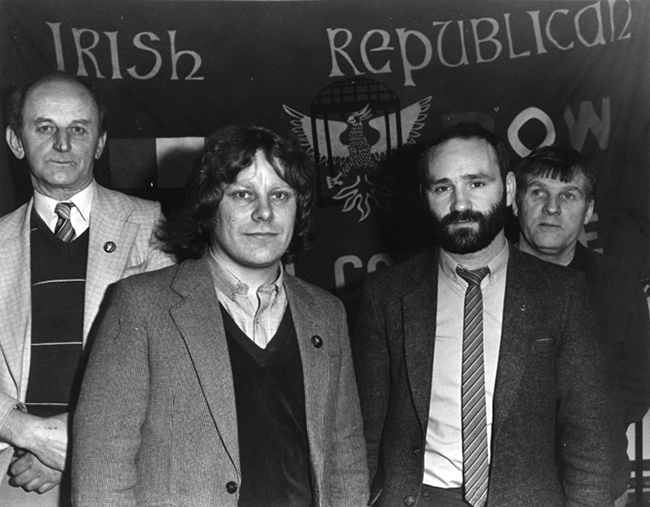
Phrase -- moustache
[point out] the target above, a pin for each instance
(456, 217)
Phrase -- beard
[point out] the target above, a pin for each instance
(468, 239)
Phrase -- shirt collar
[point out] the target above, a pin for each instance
(82, 200)
(227, 283)
(497, 265)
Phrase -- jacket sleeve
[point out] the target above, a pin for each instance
(112, 408)
(634, 360)
(156, 258)
(148, 254)
(586, 408)
(348, 483)
(371, 360)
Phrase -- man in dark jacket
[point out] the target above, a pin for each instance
(556, 188)
(465, 384)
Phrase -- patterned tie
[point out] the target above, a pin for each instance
(63, 229)
(475, 448)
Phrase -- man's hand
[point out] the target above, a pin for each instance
(30, 474)
(45, 437)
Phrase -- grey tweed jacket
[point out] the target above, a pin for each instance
(156, 421)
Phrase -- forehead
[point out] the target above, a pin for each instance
(462, 157)
(577, 183)
(60, 98)
(261, 170)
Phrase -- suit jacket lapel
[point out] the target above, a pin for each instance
(517, 330)
(315, 365)
(16, 310)
(108, 223)
(198, 318)
(419, 309)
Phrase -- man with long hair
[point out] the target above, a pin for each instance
(225, 380)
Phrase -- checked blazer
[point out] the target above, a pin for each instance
(551, 387)
(126, 221)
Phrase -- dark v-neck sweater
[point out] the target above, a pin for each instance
(271, 421)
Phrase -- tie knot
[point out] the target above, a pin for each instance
(63, 209)
(473, 276)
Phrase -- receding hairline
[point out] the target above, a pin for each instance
(61, 79)
(435, 150)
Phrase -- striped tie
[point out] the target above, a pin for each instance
(63, 229)
(475, 448)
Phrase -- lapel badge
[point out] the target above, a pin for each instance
(317, 341)
(109, 247)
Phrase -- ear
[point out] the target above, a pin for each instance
(511, 188)
(101, 142)
(515, 209)
(15, 143)
(590, 211)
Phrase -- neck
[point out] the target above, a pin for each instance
(254, 278)
(475, 260)
(561, 257)
(59, 194)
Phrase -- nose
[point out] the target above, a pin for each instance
(62, 140)
(552, 206)
(460, 201)
(263, 211)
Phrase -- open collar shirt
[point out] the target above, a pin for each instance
(258, 315)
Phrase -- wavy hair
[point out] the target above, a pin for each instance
(190, 232)
(558, 163)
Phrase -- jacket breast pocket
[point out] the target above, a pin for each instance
(543, 346)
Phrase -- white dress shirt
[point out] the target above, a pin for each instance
(443, 458)
(79, 213)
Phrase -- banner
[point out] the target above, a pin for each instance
(363, 85)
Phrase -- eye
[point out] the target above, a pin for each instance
(440, 189)
(282, 195)
(477, 184)
(45, 129)
(536, 192)
(570, 197)
(77, 130)
(243, 195)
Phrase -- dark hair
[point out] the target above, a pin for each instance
(16, 104)
(466, 130)
(227, 152)
(556, 162)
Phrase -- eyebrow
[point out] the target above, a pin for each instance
(569, 187)
(466, 177)
(44, 119)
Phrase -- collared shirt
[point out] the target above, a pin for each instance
(79, 213)
(443, 459)
(257, 315)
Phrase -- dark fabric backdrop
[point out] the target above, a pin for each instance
(363, 84)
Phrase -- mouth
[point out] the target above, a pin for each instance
(461, 223)
(261, 234)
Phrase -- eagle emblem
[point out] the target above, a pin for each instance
(355, 146)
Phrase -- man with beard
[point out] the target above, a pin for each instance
(474, 359)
